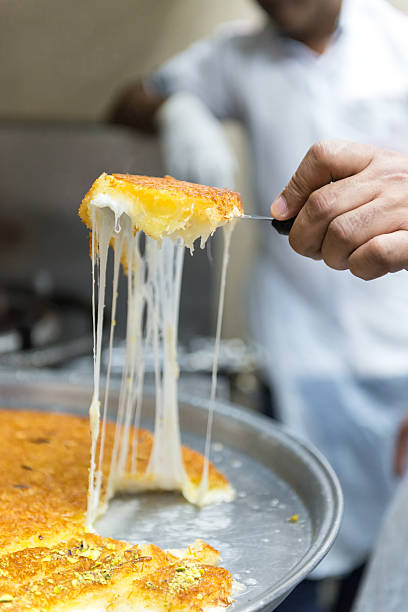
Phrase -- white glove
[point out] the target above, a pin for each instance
(194, 145)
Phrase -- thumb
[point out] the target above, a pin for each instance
(325, 162)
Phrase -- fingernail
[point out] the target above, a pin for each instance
(279, 208)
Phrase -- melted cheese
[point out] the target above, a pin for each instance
(202, 495)
(154, 278)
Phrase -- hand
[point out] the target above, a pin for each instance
(194, 145)
(401, 448)
(352, 207)
(136, 106)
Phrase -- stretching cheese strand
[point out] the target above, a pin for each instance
(154, 282)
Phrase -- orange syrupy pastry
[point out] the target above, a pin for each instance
(163, 206)
(48, 562)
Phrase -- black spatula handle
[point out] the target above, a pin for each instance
(283, 227)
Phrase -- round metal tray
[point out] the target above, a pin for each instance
(275, 476)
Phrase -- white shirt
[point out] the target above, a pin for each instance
(385, 585)
(335, 347)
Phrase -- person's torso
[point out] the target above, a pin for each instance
(290, 98)
(335, 348)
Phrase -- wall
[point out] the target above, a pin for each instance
(66, 58)
(401, 4)
(63, 59)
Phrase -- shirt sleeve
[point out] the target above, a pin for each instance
(205, 69)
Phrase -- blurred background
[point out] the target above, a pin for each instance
(63, 65)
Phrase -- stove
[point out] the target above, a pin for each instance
(41, 330)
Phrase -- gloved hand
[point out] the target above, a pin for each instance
(193, 142)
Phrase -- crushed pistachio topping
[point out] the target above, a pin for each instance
(58, 589)
(100, 576)
(184, 577)
(90, 553)
(5, 598)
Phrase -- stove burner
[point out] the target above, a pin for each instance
(41, 330)
(27, 320)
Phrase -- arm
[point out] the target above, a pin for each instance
(351, 202)
(136, 106)
(201, 71)
(193, 143)
(185, 100)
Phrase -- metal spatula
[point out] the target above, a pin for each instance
(282, 227)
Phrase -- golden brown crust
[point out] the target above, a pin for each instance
(48, 562)
(223, 200)
(90, 568)
(164, 206)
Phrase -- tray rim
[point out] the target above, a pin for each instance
(267, 427)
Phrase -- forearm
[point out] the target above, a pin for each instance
(136, 106)
(193, 142)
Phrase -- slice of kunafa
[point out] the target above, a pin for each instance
(163, 206)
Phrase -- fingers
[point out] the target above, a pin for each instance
(380, 255)
(324, 162)
(349, 231)
(401, 449)
(350, 203)
(323, 207)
